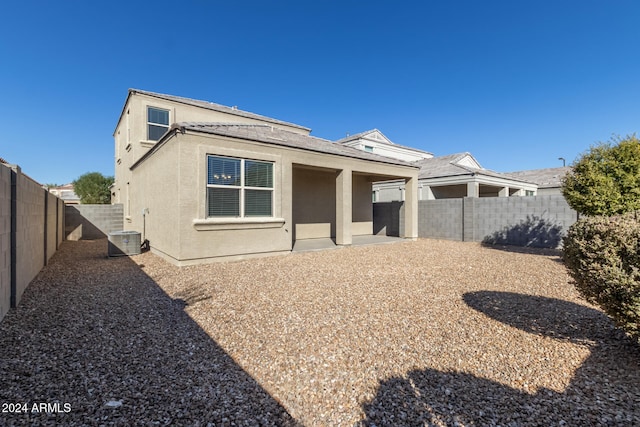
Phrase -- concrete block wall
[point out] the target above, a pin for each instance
(52, 225)
(30, 235)
(29, 220)
(440, 219)
(522, 221)
(388, 218)
(88, 222)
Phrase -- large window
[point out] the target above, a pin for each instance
(157, 123)
(239, 187)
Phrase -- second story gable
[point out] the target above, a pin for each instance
(146, 116)
(374, 141)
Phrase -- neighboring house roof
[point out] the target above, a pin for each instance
(545, 178)
(4, 161)
(456, 165)
(275, 136)
(212, 106)
(66, 193)
(379, 137)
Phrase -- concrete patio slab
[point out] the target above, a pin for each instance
(308, 245)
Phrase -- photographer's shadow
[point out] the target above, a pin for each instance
(605, 390)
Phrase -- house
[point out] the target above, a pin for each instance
(373, 141)
(549, 180)
(451, 176)
(204, 182)
(66, 193)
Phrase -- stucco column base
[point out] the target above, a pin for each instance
(343, 207)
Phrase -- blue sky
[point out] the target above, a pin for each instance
(516, 83)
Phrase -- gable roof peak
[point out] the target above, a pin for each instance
(372, 134)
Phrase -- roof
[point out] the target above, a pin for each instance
(545, 178)
(214, 107)
(450, 165)
(4, 161)
(274, 136)
(386, 140)
(360, 135)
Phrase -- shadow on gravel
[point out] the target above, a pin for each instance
(605, 390)
(102, 344)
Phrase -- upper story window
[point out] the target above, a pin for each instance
(239, 187)
(157, 123)
(368, 149)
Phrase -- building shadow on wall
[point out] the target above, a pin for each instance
(99, 334)
(534, 232)
(605, 390)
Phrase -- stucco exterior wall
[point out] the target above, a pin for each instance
(155, 200)
(449, 191)
(131, 139)
(314, 203)
(362, 206)
(171, 183)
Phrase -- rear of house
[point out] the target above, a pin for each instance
(238, 185)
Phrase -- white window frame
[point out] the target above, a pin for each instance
(242, 187)
(167, 126)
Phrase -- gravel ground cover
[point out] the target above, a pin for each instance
(418, 333)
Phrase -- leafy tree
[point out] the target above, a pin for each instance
(93, 188)
(606, 179)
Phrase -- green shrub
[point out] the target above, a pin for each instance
(606, 179)
(602, 255)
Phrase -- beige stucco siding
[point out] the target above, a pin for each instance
(362, 206)
(314, 203)
(155, 200)
(171, 182)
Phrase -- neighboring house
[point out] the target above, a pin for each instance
(451, 176)
(203, 181)
(373, 141)
(66, 193)
(549, 180)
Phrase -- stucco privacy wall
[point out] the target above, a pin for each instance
(90, 222)
(474, 219)
(30, 232)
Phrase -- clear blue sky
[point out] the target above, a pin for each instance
(516, 83)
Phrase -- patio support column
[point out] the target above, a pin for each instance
(504, 192)
(343, 207)
(411, 208)
(473, 189)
